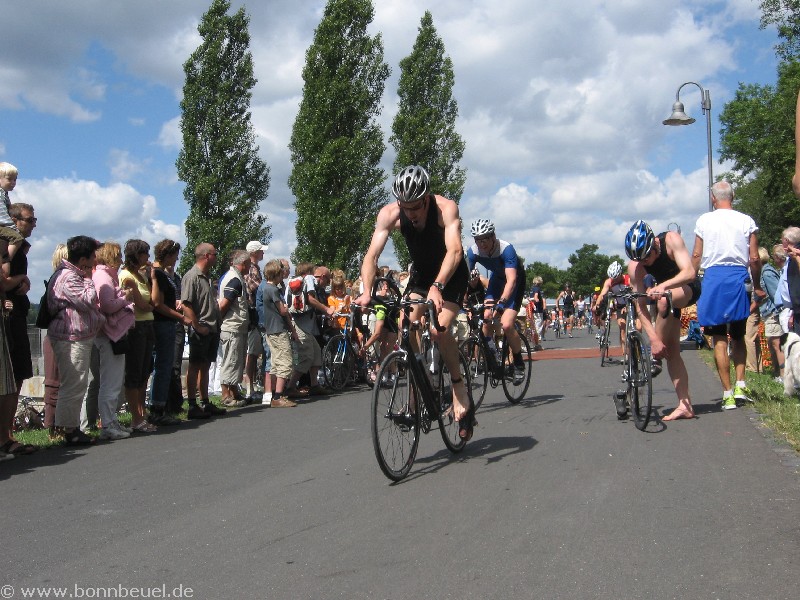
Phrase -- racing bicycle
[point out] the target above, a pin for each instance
(637, 375)
(411, 394)
(494, 366)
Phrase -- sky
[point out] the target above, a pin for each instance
(560, 105)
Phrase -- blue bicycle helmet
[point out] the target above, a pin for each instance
(639, 241)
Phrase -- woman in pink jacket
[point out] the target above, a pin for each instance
(117, 308)
(72, 299)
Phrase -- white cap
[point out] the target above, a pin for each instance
(255, 246)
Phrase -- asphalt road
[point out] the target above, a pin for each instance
(553, 498)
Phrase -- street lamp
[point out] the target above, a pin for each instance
(679, 117)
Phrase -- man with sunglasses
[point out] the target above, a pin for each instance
(667, 259)
(431, 227)
(506, 285)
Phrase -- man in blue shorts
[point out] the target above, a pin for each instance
(506, 284)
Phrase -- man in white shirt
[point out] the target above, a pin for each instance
(725, 245)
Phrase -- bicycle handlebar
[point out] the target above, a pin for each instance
(394, 300)
(630, 294)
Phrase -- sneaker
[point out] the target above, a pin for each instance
(519, 374)
(266, 399)
(163, 419)
(620, 404)
(778, 379)
(741, 392)
(5, 456)
(728, 403)
(297, 393)
(282, 402)
(570, 335)
(112, 433)
(195, 412)
(121, 427)
(232, 402)
(212, 409)
(538, 348)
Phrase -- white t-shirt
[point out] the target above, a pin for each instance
(726, 237)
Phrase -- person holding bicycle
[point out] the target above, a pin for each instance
(506, 285)
(667, 259)
(431, 227)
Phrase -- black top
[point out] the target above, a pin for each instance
(19, 266)
(664, 268)
(426, 248)
(169, 291)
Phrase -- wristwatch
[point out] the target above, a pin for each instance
(438, 286)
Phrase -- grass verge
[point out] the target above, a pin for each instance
(780, 413)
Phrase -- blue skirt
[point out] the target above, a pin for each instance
(724, 298)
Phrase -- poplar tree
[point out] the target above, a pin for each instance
(424, 130)
(336, 144)
(226, 181)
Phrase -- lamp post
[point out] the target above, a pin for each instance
(679, 117)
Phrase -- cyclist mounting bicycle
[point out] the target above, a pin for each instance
(615, 284)
(666, 258)
(431, 227)
(506, 284)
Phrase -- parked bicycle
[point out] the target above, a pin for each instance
(638, 395)
(494, 366)
(411, 393)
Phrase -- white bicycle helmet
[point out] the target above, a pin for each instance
(614, 270)
(481, 227)
(411, 185)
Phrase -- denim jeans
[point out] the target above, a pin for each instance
(164, 358)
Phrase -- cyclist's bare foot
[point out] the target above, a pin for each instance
(460, 406)
(682, 412)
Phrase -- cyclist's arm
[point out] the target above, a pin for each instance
(387, 221)
(676, 250)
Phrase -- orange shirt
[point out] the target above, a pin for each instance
(341, 304)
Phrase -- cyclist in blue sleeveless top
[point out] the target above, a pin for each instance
(506, 284)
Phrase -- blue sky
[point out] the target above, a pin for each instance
(560, 107)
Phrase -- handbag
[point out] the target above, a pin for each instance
(44, 316)
(121, 346)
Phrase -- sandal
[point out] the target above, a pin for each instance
(78, 438)
(144, 427)
(467, 423)
(17, 448)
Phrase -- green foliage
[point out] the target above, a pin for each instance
(336, 144)
(757, 134)
(226, 181)
(587, 270)
(424, 129)
(785, 15)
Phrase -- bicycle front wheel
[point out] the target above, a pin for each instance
(448, 426)
(396, 407)
(515, 384)
(475, 356)
(604, 342)
(640, 382)
(338, 361)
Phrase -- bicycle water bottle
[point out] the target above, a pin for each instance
(434, 358)
(499, 351)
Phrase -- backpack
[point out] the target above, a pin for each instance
(297, 296)
(695, 334)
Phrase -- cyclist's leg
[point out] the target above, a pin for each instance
(448, 347)
(512, 338)
(669, 331)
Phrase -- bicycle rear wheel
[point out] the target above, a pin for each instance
(604, 342)
(396, 407)
(640, 382)
(448, 426)
(475, 356)
(515, 386)
(338, 361)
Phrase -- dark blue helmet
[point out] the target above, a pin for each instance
(639, 241)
